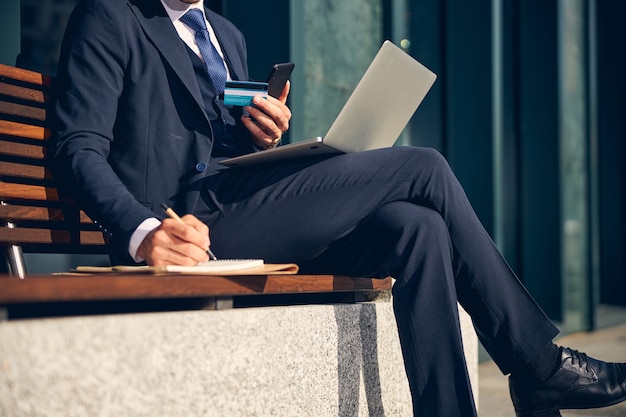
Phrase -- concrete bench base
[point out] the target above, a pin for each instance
(314, 360)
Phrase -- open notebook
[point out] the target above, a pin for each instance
(220, 267)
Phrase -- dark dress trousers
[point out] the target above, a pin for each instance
(137, 126)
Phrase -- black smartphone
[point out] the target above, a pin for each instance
(277, 78)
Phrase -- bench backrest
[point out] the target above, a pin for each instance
(35, 215)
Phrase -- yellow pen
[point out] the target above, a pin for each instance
(171, 213)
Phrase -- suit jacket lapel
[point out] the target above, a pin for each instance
(158, 28)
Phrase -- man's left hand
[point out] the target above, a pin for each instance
(268, 119)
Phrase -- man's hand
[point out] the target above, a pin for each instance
(176, 243)
(269, 119)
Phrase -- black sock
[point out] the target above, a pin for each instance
(543, 365)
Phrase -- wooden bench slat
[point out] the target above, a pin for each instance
(34, 172)
(24, 236)
(22, 130)
(35, 78)
(23, 93)
(10, 191)
(114, 286)
(23, 150)
(40, 214)
(21, 110)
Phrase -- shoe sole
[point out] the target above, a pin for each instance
(554, 412)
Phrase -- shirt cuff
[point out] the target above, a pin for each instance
(139, 235)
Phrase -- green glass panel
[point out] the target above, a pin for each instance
(333, 42)
(574, 172)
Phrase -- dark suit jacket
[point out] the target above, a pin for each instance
(130, 129)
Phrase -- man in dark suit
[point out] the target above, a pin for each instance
(140, 122)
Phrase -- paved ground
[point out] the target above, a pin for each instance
(608, 344)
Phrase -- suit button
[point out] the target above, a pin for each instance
(200, 167)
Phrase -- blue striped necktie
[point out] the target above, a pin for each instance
(194, 18)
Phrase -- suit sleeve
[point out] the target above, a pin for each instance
(89, 83)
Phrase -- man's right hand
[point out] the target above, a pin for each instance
(176, 243)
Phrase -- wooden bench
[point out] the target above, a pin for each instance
(37, 217)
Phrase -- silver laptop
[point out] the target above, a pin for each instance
(374, 116)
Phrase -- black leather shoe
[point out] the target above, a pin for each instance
(580, 382)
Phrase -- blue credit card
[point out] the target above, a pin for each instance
(240, 93)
